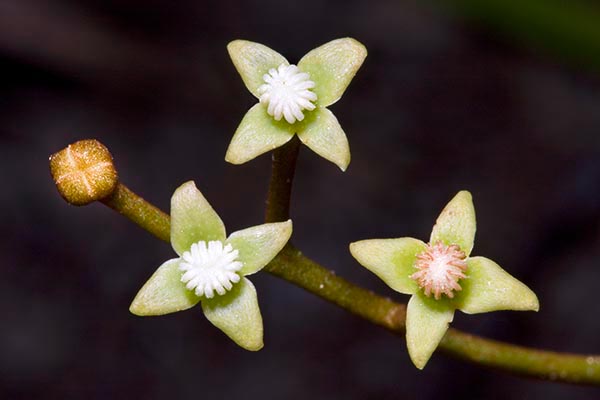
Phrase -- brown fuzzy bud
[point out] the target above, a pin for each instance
(84, 172)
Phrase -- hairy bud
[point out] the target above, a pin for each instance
(84, 172)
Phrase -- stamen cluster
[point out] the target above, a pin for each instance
(286, 92)
(210, 268)
(440, 267)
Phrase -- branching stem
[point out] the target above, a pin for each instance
(292, 266)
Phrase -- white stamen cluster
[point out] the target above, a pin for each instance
(210, 268)
(440, 268)
(286, 92)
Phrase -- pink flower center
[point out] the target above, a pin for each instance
(439, 269)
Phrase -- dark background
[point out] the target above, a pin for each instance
(444, 102)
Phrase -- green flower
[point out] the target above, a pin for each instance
(441, 277)
(293, 99)
(211, 269)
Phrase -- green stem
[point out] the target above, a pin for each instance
(139, 211)
(291, 265)
(298, 269)
(524, 361)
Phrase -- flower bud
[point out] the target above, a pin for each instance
(84, 172)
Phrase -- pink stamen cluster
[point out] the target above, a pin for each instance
(440, 267)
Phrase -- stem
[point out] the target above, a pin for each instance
(291, 265)
(567, 29)
(139, 211)
(524, 361)
(282, 176)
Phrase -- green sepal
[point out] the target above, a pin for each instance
(456, 223)
(237, 314)
(164, 292)
(260, 244)
(392, 260)
(490, 288)
(322, 133)
(257, 133)
(427, 321)
(332, 66)
(252, 61)
(193, 219)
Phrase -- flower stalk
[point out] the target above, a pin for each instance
(282, 176)
(139, 211)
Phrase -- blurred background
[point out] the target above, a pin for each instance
(498, 97)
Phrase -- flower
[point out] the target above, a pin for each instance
(212, 269)
(293, 99)
(442, 277)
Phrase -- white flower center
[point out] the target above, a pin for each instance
(210, 268)
(286, 92)
(440, 267)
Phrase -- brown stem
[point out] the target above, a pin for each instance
(282, 177)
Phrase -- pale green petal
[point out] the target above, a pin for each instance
(427, 321)
(236, 313)
(260, 244)
(322, 132)
(258, 133)
(193, 219)
(392, 260)
(490, 288)
(164, 292)
(332, 66)
(456, 224)
(252, 61)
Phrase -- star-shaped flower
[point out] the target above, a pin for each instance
(211, 268)
(293, 99)
(442, 277)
